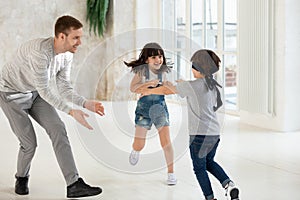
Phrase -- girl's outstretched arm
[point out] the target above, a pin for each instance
(137, 86)
(165, 89)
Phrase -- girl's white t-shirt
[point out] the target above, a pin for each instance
(153, 76)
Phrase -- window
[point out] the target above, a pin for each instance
(210, 24)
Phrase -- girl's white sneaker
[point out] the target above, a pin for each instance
(134, 157)
(171, 179)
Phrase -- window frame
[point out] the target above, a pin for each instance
(220, 50)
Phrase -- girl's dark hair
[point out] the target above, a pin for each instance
(65, 23)
(150, 49)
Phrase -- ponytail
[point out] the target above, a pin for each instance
(211, 84)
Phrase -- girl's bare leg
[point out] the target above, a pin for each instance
(165, 141)
(139, 138)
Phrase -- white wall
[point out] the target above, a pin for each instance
(287, 71)
(24, 20)
(148, 14)
(93, 74)
(292, 66)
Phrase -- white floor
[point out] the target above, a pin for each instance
(265, 164)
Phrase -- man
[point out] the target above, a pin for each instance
(26, 88)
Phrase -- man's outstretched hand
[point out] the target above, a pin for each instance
(80, 116)
(94, 106)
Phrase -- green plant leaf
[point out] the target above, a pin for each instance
(96, 16)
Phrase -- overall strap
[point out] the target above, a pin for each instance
(159, 75)
(147, 74)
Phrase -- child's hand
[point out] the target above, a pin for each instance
(145, 93)
(152, 83)
(179, 80)
(167, 83)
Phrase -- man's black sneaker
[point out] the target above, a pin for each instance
(21, 186)
(81, 189)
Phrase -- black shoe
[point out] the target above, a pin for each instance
(81, 189)
(21, 186)
(234, 194)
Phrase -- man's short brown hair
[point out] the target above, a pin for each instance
(65, 23)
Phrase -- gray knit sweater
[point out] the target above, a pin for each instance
(35, 67)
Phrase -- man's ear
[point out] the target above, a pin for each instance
(61, 36)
